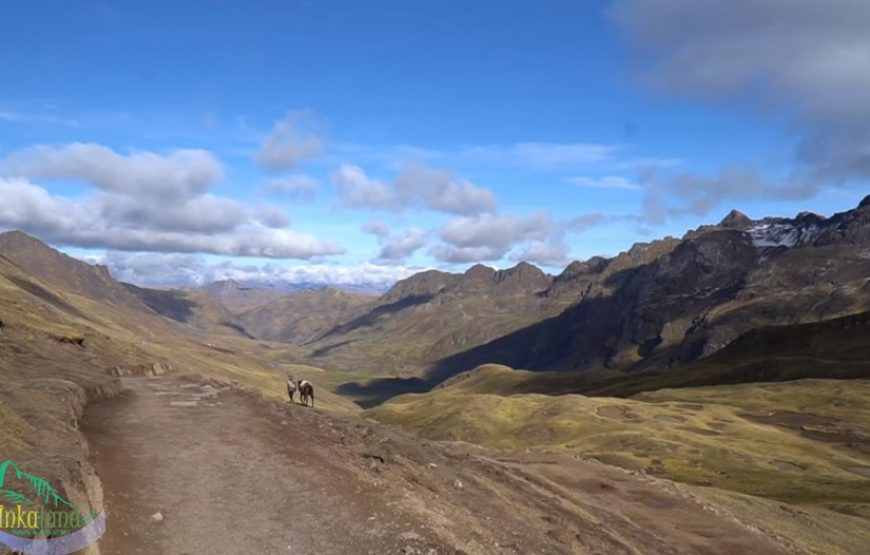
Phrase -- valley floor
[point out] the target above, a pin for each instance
(231, 473)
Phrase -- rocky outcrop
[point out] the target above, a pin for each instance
(149, 369)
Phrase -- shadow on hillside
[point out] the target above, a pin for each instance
(371, 317)
(170, 303)
(837, 349)
(536, 347)
(593, 335)
(375, 392)
(47, 296)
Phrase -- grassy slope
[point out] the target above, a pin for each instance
(700, 436)
(115, 334)
(838, 348)
(794, 475)
(59, 349)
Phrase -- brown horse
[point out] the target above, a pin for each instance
(306, 392)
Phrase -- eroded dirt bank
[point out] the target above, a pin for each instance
(230, 473)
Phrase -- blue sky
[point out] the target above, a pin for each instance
(359, 141)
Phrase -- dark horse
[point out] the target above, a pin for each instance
(291, 389)
(306, 392)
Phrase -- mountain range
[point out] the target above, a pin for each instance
(658, 305)
(649, 360)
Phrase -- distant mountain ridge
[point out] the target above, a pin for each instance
(700, 293)
(658, 305)
(301, 315)
(240, 296)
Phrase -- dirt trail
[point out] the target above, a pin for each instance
(232, 474)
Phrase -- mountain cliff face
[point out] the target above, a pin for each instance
(689, 298)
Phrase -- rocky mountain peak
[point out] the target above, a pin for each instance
(809, 218)
(225, 284)
(524, 276)
(429, 282)
(736, 220)
(17, 237)
(480, 272)
(594, 265)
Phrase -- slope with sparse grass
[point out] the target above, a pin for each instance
(805, 443)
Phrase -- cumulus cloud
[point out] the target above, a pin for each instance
(490, 236)
(802, 59)
(417, 186)
(272, 216)
(290, 142)
(442, 191)
(537, 238)
(357, 190)
(616, 182)
(180, 174)
(297, 187)
(180, 270)
(379, 229)
(497, 231)
(202, 214)
(586, 221)
(465, 255)
(142, 201)
(698, 195)
(544, 254)
(402, 245)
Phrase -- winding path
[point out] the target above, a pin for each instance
(231, 474)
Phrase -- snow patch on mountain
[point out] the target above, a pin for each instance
(781, 234)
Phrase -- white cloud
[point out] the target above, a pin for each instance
(379, 229)
(490, 236)
(545, 254)
(803, 60)
(178, 175)
(402, 245)
(416, 186)
(498, 231)
(272, 216)
(606, 182)
(536, 238)
(172, 269)
(586, 221)
(465, 255)
(298, 187)
(357, 190)
(200, 214)
(144, 202)
(290, 142)
(440, 190)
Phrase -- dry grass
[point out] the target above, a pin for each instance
(713, 436)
